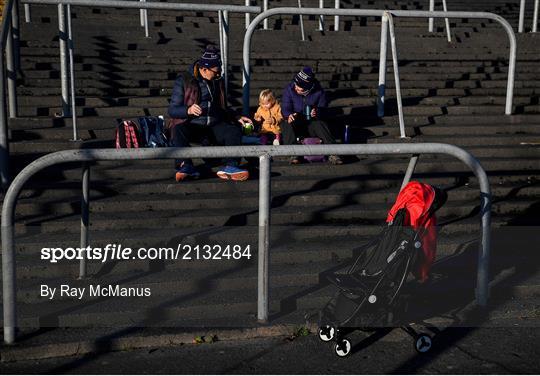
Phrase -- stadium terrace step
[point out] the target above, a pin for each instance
(493, 121)
(101, 203)
(281, 215)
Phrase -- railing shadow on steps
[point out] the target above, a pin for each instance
(264, 153)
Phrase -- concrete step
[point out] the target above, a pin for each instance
(495, 121)
(292, 177)
(105, 202)
(281, 215)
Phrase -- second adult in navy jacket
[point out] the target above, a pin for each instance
(292, 102)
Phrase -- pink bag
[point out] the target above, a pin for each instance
(313, 141)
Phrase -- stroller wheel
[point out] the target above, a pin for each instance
(326, 333)
(423, 343)
(343, 347)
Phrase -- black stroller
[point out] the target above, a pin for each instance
(370, 292)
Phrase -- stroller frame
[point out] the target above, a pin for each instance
(405, 245)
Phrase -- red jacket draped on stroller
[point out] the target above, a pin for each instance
(417, 199)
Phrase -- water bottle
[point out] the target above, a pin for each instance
(308, 112)
(346, 136)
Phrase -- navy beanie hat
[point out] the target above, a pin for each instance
(305, 78)
(210, 58)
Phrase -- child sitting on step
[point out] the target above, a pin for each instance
(269, 114)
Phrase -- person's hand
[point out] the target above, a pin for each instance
(314, 112)
(244, 119)
(291, 118)
(195, 110)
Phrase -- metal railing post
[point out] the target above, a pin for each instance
(336, 18)
(63, 59)
(72, 73)
(521, 16)
(301, 22)
(27, 13)
(382, 65)
(321, 17)
(511, 68)
(220, 27)
(145, 14)
(410, 171)
(9, 284)
(265, 8)
(225, 52)
(431, 9)
(482, 274)
(447, 22)
(11, 72)
(85, 216)
(248, 18)
(264, 237)
(396, 75)
(141, 14)
(535, 16)
(16, 35)
(4, 138)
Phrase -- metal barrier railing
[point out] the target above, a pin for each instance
(264, 153)
(378, 13)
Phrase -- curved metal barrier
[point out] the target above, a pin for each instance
(377, 13)
(264, 153)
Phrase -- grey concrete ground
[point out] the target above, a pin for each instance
(456, 351)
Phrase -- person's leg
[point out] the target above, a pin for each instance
(181, 135)
(288, 135)
(318, 128)
(290, 132)
(229, 135)
(264, 138)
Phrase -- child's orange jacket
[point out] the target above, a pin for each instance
(270, 117)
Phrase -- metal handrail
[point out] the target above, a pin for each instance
(264, 153)
(377, 13)
(155, 6)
